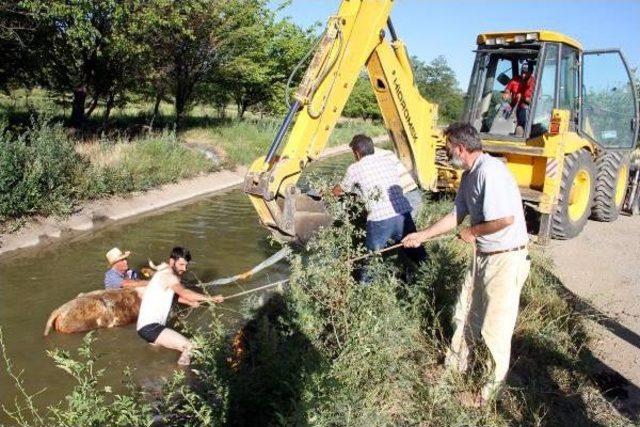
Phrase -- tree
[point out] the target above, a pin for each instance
(362, 102)
(265, 52)
(96, 48)
(20, 38)
(437, 82)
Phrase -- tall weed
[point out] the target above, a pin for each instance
(40, 171)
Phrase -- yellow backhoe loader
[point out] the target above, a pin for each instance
(570, 156)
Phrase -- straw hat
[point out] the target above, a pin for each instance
(115, 255)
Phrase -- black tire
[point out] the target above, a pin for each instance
(562, 225)
(609, 167)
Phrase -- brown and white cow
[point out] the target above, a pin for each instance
(105, 308)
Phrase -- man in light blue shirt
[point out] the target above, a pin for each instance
(119, 275)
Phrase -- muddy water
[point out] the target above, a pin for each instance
(223, 236)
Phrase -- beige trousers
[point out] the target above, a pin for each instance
(488, 307)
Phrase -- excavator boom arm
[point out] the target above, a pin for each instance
(354, 38)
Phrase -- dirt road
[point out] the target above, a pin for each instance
(602, 266)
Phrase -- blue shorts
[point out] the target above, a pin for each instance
(151, 332)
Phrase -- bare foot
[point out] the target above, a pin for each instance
(185, 359)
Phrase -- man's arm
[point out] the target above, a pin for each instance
(190, 297)
(469, 234)
(443, 225)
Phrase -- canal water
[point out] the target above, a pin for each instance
(224, 237)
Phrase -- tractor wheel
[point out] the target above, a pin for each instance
(576, 195)
(611, 185)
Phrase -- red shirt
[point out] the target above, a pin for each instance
(518, 85)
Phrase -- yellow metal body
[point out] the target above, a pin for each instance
(355, 38)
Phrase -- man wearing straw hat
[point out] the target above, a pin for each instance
(119, 275)
(489, 300)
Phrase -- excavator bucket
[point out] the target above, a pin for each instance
(307, 213)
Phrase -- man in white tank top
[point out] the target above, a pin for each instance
(157, 300)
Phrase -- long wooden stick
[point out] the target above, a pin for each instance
(396, 246)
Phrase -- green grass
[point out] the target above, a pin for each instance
(123, 167)
(243, 141)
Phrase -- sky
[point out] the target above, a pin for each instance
(431, 28)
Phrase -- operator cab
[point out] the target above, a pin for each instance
(604, 111)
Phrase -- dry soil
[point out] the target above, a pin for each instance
(602, 267)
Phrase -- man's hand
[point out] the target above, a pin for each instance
(217, 299)
(467, 235)
(412, 240)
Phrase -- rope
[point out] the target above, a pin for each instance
(282, 253)
(188, 311)
(250, 291)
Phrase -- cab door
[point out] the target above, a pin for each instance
(609, 108)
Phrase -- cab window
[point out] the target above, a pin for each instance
(546, 92)
(609, 105)
(491, 110)
(569, 84)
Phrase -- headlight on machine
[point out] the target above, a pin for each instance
(531, 36)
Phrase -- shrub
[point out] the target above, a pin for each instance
(39, 171)
(44, 172)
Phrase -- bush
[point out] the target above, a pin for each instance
(43, 173)
(39, 171)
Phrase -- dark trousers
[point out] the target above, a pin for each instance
(522, 115)
(389, 231)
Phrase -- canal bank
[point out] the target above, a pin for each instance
(44, 232)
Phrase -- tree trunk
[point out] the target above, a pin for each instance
(77, 112)
(221, 110)
(156, 106)
(243, 110)
(180, 104)
(107, 111)
(94, 104)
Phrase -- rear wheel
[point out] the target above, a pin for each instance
(611, 185)
(576, 195)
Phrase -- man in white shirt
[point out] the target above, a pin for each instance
(408, 184)
(375, 177)
(157, 300)
(489, 300)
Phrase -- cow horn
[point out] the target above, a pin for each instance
(152, 265)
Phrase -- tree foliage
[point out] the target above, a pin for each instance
(102, 53)
(362, 102)
(437, 82)
(96, 49)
